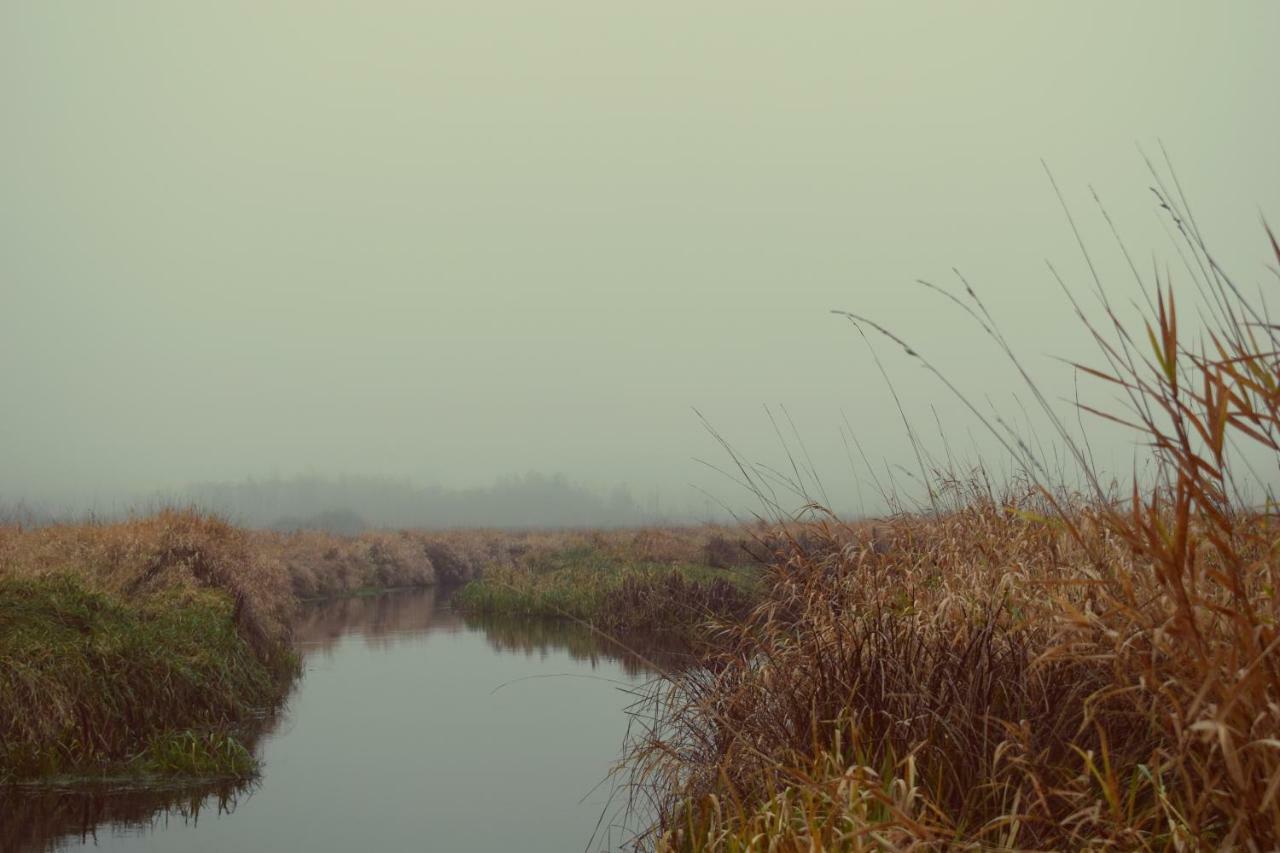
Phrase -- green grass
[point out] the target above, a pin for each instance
(197, 754)
(92, 683)
(620, 596)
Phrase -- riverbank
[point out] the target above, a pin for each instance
(146, 648)
(158, 646)
(993, 678)
(668, 599)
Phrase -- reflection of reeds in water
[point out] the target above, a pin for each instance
(384, 620)
(381, 620)
(38, 819)
(534, 635)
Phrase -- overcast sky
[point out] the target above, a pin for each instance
(453, 241)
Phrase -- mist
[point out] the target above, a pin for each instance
(443, 244)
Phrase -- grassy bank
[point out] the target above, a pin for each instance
(152, 647)
(660, 587)
(92, 684)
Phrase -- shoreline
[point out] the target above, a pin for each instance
(104, 620)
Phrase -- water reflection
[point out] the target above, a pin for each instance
(38, 818)
(542, 637)
(401, 684)
(380, 621)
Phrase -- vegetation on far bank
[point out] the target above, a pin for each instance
(625, 590)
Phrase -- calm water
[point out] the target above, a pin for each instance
(411, 730)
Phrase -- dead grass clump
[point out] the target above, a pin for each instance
(925, 658)
(450, 565)
(317, 564)
(924, 669)
(720, 552)
(396, 559)
(322, 565)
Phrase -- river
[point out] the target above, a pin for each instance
(412, 728)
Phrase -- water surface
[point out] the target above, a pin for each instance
(412, 729)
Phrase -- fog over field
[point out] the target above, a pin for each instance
(445, 243)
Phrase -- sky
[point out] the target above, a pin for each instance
(450, 242)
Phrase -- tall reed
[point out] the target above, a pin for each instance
(1026, 667)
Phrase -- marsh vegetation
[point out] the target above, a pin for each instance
(1019, 664)
(668, 590)
(1011, 663)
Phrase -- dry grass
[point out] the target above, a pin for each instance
(143, 647)
(898, 692)
(167, 551)
(324, 565)
(1034, 670)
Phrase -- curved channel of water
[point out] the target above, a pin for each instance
(412, 729)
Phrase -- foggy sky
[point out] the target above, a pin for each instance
(450, 242)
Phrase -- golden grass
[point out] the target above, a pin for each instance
(1032, 670)
(173, 549)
